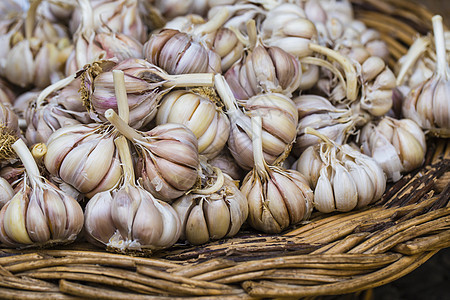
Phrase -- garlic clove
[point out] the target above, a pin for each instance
(55, 213)
(148, 223)
(14, 221)
(196, 227)
(364, 186)
(411, 152)
(98, 221)
(345, 192)
(123, 210)
(323, 193)
(171, 225)
(36, 221)
(217, 217)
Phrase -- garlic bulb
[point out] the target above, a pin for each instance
(263, 69)
(93, 44)
(342, 178)
(215, 210)
(279, 116)
(39, 214)
(276, 197)
(180, 53)
(200, 114)
(338, 124)
(85, 157)
(168, 157)
(6, 192)
(428, 104)
(287, 27)
(129, 217)
(120, 16)
(145, 84)
(396, 145)
(34, 59)
(377, 84)
(228, 47)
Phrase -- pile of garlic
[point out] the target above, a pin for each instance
(180, 121)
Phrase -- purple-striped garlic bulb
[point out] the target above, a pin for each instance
(279, 116)
(128, 217)
(168, 158)
(39, 214)
(277, 198)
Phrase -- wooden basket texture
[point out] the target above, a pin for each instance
(332, 254)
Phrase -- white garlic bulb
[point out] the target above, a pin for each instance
(168, 157)
(200, 114)
(215, 210)
(39, 214)
(279, 116)
(128, 217)
(428, 104)
(338, 124)
(396, 145)
(342, 178)
(85, 157)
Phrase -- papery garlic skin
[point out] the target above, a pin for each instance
(85, 157)
(201, 115)
(130, 218)
(397, 145)
(342, 178)
(212, 216)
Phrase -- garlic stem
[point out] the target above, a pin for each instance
(225, 93)
(122, 127)
(53, 88)
(87, 22)
(215, 187)
(213, 23)
(252, 34)
(258, 154)
(121, 95)
(125, 157)
(439, 40)
(31, 18)
(27, 159)
(38, 151)
(349, 69)
(415, 51)
(323, 63)
(309, 130)
(189, 80)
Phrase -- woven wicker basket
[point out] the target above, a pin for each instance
(331, 255)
